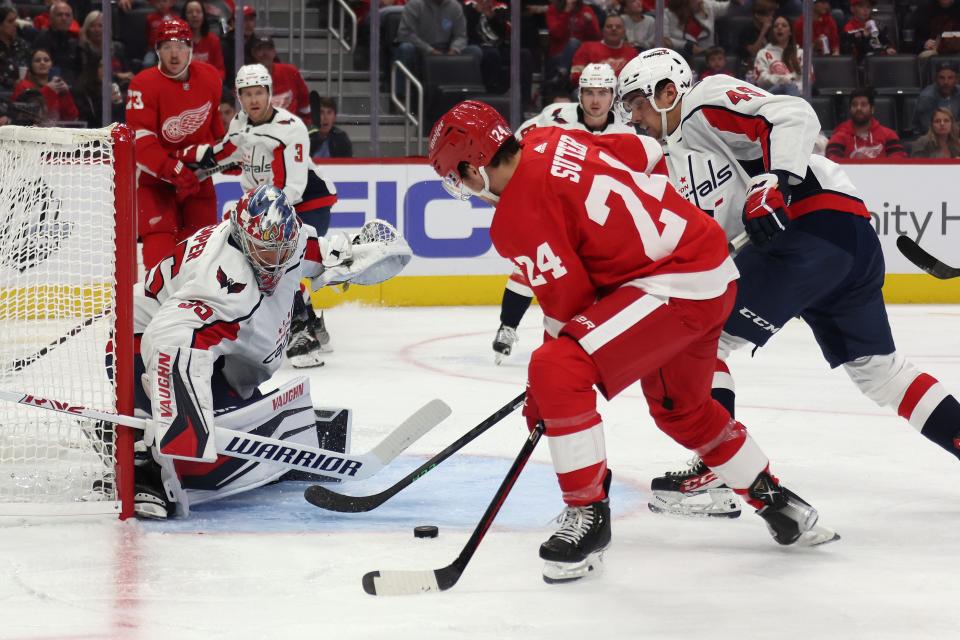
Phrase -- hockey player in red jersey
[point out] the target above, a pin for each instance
(635, 284)
(745, 156)
(173, 108)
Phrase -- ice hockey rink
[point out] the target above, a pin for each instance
(269, 565)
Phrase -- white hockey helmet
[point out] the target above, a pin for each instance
(646, 71)
(599, 75)
(253, 75)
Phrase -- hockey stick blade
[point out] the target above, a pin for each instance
(916, 254)
(322, 497)
(283, 453)
(398, 583)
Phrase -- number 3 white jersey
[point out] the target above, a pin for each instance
(277, 152)
(730, 131)
(205, 296)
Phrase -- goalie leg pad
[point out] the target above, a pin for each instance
(285, 414)
(183, 403)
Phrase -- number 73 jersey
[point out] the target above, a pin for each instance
(584, 215)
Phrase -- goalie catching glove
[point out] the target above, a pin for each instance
(765, 211)
(377, 253)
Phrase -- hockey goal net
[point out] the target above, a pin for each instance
(67, 268)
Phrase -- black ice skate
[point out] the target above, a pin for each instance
(577, 547)
(149, 497)
(694, 491)
(789, 518)
(303, 350)
(503, 343)
(319, 329)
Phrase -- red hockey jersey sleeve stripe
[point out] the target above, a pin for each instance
(756, 128)
(313, 251)
(213, 334)
(832, 201)
(279, 168)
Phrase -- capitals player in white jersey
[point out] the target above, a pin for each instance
(745, 156)
(593, 113)
(217, 310)
(272, 146)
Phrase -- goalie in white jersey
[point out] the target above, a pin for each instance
(272, 146)
(217, 312)
(745, 156)
(593, 113)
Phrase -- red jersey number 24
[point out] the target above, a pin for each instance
(547, 262)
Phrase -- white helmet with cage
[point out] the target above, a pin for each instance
(254, 75)
(646, 71)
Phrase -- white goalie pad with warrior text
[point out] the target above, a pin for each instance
(377, 253)
(182, 424)
(287, 413)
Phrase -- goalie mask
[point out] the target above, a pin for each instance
(267, 229)
(470, 132)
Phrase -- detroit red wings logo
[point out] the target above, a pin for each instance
(228, 283)
(176, 128)
(282, 100)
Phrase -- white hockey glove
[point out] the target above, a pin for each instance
(339, 250)
(179, 387)
(378, 253)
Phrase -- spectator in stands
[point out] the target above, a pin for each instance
(570, 23)
(289, 90)
(206, 46)
(778, 65)
(227, 111)
(532, 22)
(753, 37)
(14, 50)
(226, 41)
(715, 62)
(934, 18)
(91, 43)
(55, 91)
(612, 49)
(43, 20)
(89, 100)
(862, 36)
(941, 140)
(328, 140)
(61, 43)
(164, 11)
(826, 38)
(488, 27)
(640, 28)
(942, 93)
(689, 25)
(431, 28)
(862, 136)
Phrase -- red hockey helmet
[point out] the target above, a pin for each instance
(470, 132)
(174, 29)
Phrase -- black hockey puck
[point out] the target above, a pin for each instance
(427, 531)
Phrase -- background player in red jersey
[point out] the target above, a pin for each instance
(635, 283)
(173, 108)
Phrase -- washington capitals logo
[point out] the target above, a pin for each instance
(228, 283)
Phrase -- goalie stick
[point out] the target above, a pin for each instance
(322, 497)
(22, 363)
(395, 583)
(915, 254)
(282, 453)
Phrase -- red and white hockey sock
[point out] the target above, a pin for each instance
(736, 459)
(934, 412)
(579, 457)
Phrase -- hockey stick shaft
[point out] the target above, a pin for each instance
(737, 243)
(918, 256)
(390, 583)
(322, 497)
(21, 363)
(284, 453)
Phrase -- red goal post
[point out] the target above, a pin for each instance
(67, 271)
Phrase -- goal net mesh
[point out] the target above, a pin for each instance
(57, 293)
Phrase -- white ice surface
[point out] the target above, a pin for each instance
(267, 565)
